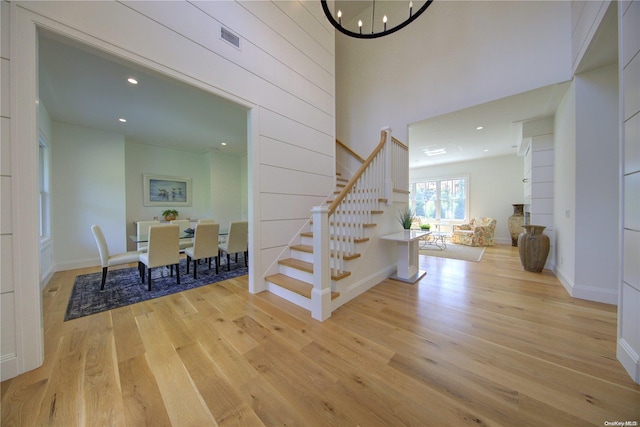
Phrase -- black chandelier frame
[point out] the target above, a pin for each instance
(372, 35)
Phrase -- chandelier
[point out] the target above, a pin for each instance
(361, 19)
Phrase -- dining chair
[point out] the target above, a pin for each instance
(142, 229)
(183, 224)
(237, 241)
(206, 221)
(163, 250)
(205, 245)
(106, 259)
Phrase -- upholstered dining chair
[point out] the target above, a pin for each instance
(163, 250)
(206, 221)
(205, 246)
(237, 241)
(142, 229)
(183, 224)
(106, 259)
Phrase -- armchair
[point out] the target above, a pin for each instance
(478, 232)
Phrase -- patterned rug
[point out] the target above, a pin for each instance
(453, 251)
(123, 286)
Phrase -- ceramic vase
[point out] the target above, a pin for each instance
(515, 223)
(533, 246)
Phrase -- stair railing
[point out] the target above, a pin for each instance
(338, 227)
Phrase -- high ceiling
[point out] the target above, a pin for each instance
(457, 133)
(456, 137)
(85, 87)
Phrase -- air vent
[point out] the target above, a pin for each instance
(230, 37)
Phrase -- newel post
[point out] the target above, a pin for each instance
(388, 172)
(321, 293)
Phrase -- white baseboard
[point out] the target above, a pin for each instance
(629, 360)
(72, 265)
(8, 367)
(589, 293)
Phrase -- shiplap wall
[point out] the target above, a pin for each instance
(283, 72)
(8, 357)
(629, 297)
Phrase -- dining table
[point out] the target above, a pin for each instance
(144, 238)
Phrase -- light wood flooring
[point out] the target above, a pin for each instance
(470, 344)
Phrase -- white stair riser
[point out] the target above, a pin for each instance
(292, 297)
(308, 257)
(295, 273)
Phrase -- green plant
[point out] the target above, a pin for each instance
(425, 226)
(170, 212)
(405, 216)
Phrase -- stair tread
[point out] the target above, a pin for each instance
(308, 267)
(299, 287)
(309, 249)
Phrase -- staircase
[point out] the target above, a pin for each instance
(316, 272)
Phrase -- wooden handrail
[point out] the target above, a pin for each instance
(334, 205)
(400, 143)
(349, 150)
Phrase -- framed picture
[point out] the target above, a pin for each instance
(161, 190)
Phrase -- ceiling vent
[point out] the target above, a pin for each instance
(229, 37)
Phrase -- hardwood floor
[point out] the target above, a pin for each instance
(471, 344)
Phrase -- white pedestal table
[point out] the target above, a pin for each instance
(408, 270)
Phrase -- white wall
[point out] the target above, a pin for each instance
(586, 186)
(564, 186)
(228, 201)
(84, 193)
(456, 55)
(597, 178)
(147, 159)
(495, 184)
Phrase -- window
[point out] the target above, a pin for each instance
(43, 184)
(440, 199)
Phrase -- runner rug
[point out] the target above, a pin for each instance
(123, 286)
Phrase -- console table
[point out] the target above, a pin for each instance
(407, 242)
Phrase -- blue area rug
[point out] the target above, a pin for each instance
(123, 286)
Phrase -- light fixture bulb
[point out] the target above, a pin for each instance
(335, 18)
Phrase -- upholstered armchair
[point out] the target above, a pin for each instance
(478, 232)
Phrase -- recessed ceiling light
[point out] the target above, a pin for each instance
(224, 143)
(122, 119)
(486, 151)
(479, 127)
(435, 152)
(132, 81)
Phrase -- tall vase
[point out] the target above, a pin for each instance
(533, 246)
(515, 223)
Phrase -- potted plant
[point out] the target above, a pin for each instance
(405, 216)
(170, 214)
(425, 227)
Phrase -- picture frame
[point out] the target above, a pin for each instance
(164, 190)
